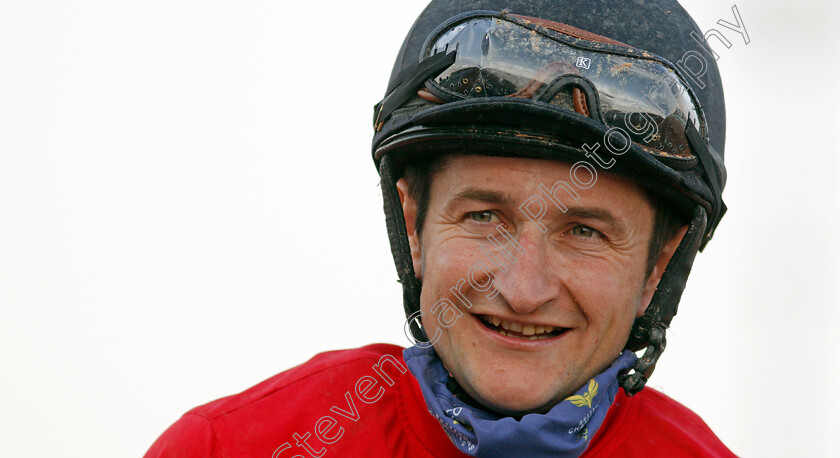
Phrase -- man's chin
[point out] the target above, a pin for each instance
(513, 403)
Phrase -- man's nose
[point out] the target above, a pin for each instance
(531, 281)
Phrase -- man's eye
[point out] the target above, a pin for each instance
(483, 216)
(584, 231)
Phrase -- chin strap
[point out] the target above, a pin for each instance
(400, 250)
(715, 172)
(649, 329)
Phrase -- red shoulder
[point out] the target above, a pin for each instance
(256, 415)
(332, 366)
(652, 424)
(190, 437)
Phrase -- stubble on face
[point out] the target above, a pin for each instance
(582, 275)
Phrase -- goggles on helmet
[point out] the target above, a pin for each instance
(487, 54)
(499, 56)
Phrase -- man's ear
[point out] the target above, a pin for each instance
(409, 207)
(656, 274)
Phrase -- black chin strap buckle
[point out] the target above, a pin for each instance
(635, 381)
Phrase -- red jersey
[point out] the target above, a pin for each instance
(365, 403)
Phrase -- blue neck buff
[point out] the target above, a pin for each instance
(564, 431)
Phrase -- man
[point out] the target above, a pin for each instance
(546, 189)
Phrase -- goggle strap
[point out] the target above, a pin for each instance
(584, 96)
(708, 163)
(406, 89)
(567, 29)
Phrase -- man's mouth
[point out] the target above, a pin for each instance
(519, 330)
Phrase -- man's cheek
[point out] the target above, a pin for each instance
(446, 313)
(478, 278)
(482, 280)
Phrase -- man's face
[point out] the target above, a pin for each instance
(581, 272)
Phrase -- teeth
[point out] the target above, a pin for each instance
(514, 329)
(519, 336)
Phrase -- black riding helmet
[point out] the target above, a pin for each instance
(541, 79)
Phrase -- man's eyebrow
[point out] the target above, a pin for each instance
(504, 199)
(597, 214)
(483, 195)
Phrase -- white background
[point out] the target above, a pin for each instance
(188, 206)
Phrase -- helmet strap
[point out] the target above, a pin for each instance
(649, 329)
(400, 249)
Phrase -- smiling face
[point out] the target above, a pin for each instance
(522, 336)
